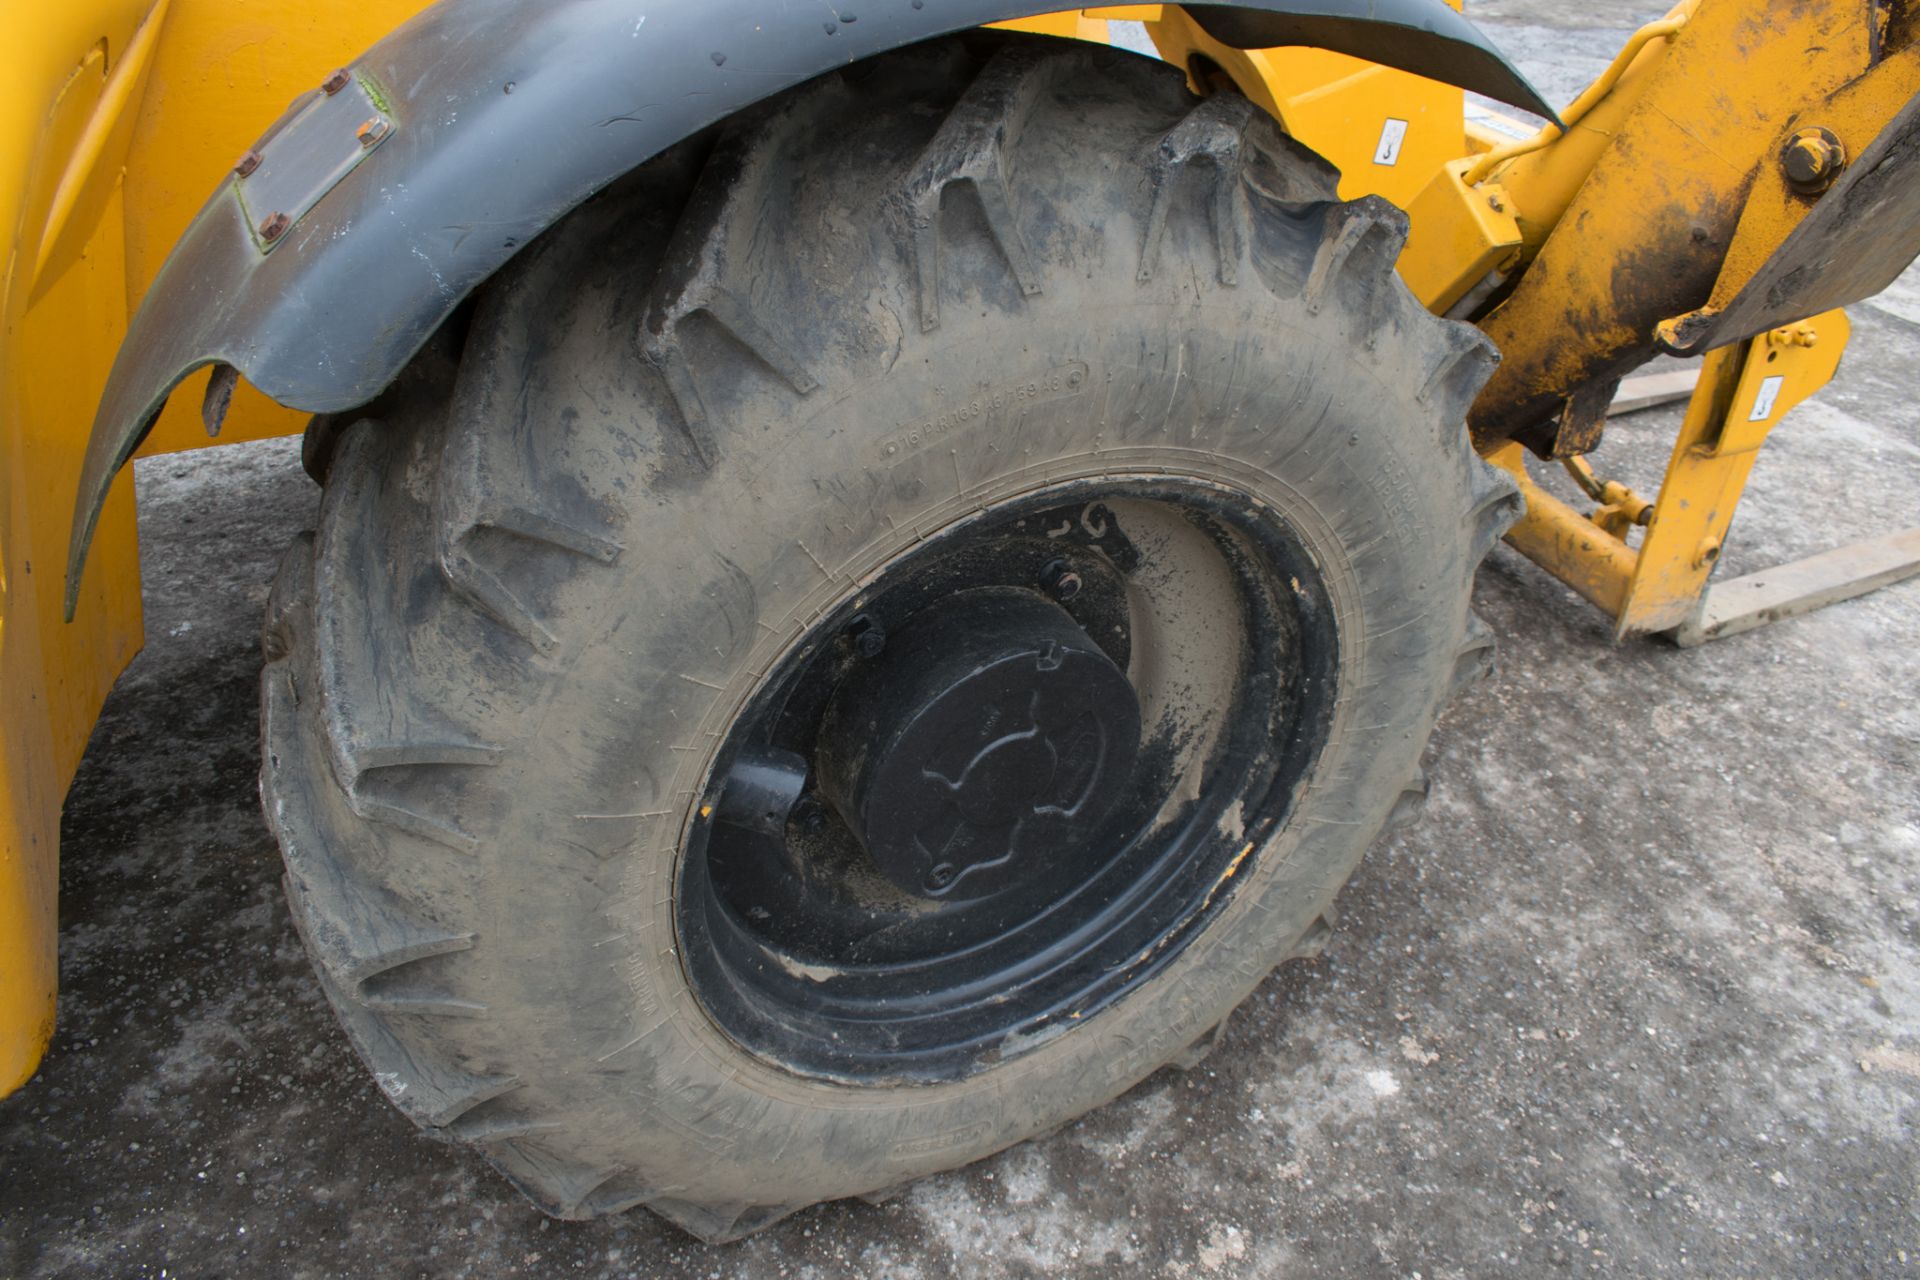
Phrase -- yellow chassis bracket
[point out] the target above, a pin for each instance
(1459, 236)
(1743, 393)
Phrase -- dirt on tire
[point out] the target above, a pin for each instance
(703, 409)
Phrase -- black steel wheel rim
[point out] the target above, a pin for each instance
(927, 844)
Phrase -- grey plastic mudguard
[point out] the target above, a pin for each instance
(479, 123)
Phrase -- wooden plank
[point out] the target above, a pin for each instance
(1790, 590)
(1651, 390)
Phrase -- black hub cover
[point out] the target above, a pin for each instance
(982, 747)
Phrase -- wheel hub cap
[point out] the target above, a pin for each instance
(982, 747)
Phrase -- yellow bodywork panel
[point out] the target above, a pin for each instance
(65, 309)
(116, 118)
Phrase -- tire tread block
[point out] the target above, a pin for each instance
(970, 150)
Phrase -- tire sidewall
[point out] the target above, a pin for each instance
(1236, 388)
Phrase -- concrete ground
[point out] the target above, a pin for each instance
(1640, 996)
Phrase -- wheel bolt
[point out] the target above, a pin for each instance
(1063, 582)
(808, 815)
(867, 636)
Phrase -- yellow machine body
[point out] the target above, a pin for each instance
(119, 116)
(116, 119)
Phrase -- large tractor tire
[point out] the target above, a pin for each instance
(873, 635)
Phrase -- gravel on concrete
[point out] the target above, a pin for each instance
(1640, 996)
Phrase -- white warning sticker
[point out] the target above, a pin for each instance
(1763, 403)
(1392, 134)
